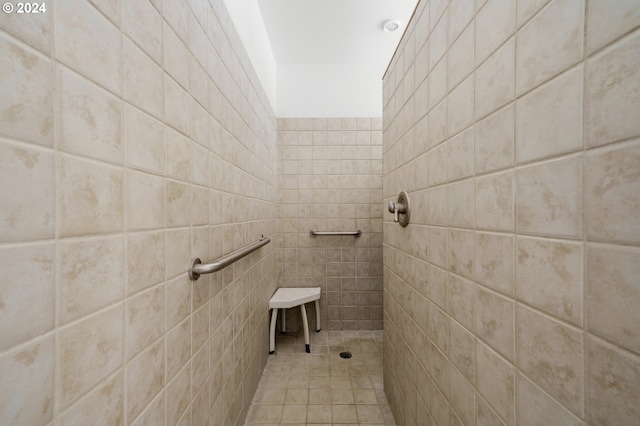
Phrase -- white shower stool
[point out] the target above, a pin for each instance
(287, 297)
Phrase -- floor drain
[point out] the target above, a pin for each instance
(345, 355)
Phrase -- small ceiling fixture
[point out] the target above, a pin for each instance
(391, 25)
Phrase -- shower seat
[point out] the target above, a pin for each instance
(289, 297)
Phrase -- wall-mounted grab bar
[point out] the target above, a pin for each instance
(198, 268)
(319, 233)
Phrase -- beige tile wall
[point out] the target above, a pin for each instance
(330, 179)
(512, 297)
(134, 135)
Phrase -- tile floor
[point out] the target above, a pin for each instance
(321, 388)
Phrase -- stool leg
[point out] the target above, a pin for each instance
(306, 327)
(284, 320)
(317, 315)
(272, 331)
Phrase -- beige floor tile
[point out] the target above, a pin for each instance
(361, 382)
(320, 383)
(365, 396)
(269, 396)
(319, 389)
(340, 383)
(294, 414)
(344, 413)
(297, 396)
(319, 397)
(274, 382)
(319, 414)
(298, 383)
(370, 414)
(265, 413)
(342, 396)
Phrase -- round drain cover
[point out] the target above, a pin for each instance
(345, 355)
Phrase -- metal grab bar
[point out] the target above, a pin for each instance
(318, 233)
(198, 268)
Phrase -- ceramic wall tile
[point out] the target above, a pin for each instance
(140, 272)
(153, 414)
(495, 141)
(495, 23)
(536, 407)
(86, 41)
(102, 215)
(143, 24)
(437, 125)
(106, 402)
(549, 119)
(460, 204)
(549, 353)
(102, 336)
(28, 207)
(460, 15)
(91, 197)
(177, 106)
(91, 276)
(143, 319)
(26, 106)
(329, 182)
(175, 56)
(555, 34)
(493, 317)
(607, 21)
(495, 81)
(611, 404)
(461, 252)
(143, 81)
(612, 81)
(460, 156)
(549, 277)
(611, 293)
(544, 179)
(437, 84)
(494, 261)
(612, 193)
(110, 8)
(28, 312)
(463, 351)
(30, 370)
(438, 42)
(494, 197)
(460, 114)
(144, 141)
(460, 299)
(145, 190)
(496, 382)
(485, 415)
(145, 378)
(549, 198)
(525, 9)
(177, 396)
(461, 57)
(91, 119)
(36, 30)
(462, 396)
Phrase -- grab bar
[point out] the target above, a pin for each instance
(198, 268)
(319, 233)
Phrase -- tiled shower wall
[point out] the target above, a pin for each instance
(512, 297)
(330, 179)
(134, 135)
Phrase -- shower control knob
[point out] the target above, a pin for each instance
(400, 209)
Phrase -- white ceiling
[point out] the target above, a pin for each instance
(334, 31)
